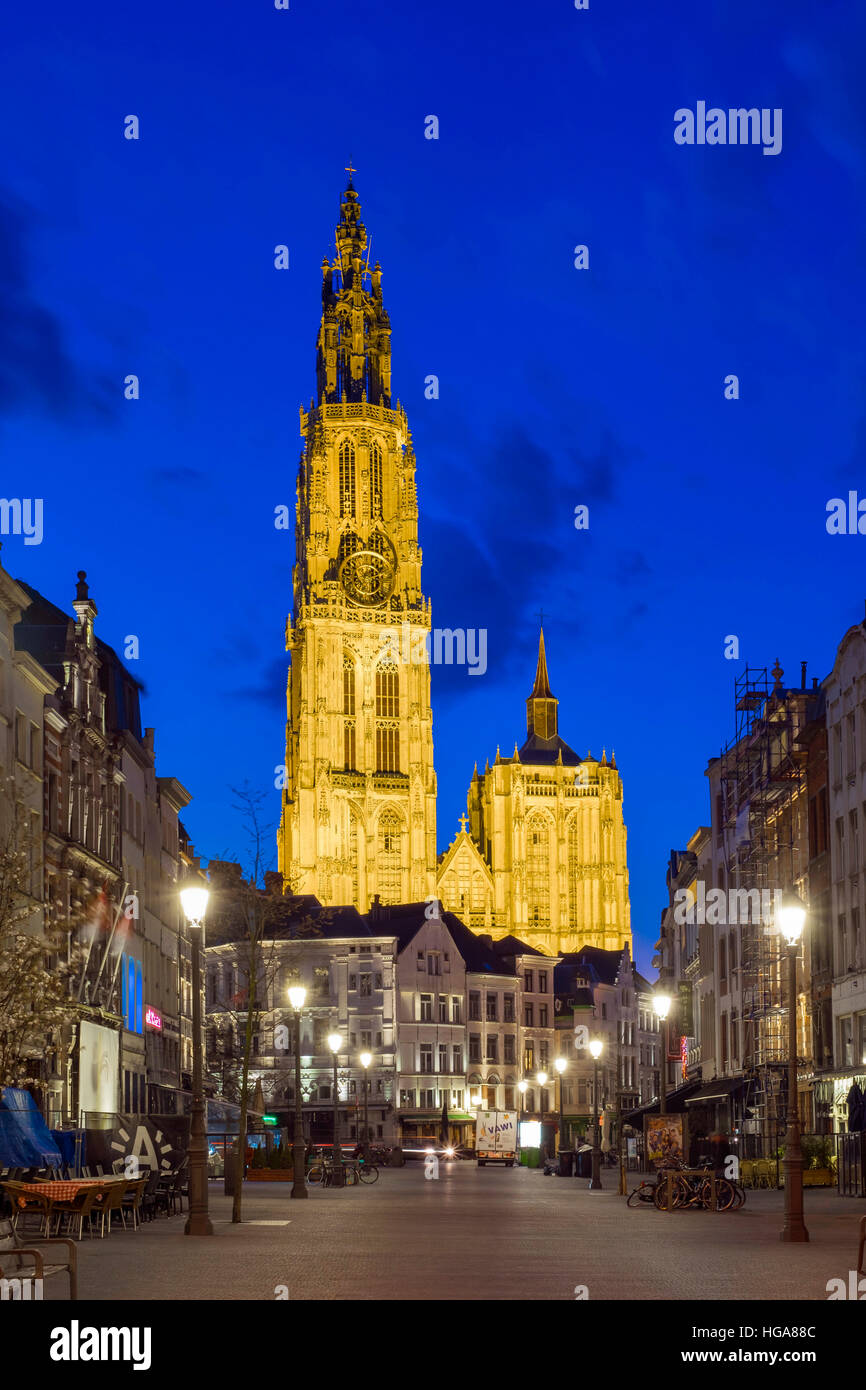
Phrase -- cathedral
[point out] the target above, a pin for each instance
(542, 852)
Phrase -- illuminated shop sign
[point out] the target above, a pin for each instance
(153, 1018)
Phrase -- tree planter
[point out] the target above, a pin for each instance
(270, 1175)
(818, 1177)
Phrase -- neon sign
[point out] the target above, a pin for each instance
(153, 1018)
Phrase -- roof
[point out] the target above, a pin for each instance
(546, 751)
(601, 966)
(513, 946)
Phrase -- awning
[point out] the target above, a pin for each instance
(717, 1090)
(674, 1104)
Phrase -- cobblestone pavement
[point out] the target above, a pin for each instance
(491, 1233)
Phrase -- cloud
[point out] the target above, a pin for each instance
(37, 371)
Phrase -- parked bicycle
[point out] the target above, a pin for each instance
(693, 1188)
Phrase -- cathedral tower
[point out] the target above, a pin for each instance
(544, 855)
(359, 804)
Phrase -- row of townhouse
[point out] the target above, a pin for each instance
(78, 788)
(452, 1020)
(787, 800)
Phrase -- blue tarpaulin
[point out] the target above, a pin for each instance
(25, 1140)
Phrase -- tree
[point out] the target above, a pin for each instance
(251, 909)
(35, 997)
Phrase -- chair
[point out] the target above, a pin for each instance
(76, 1209)
(26, 1203)
(110, 1200)
(165, 1192)
(762, 1173)
(178, 1190)
(13, 1251)
(150, 1194)
(132, 1199)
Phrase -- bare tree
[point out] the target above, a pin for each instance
(249, 907)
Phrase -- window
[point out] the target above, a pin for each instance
(542, 981)
(528, 1016)
(456, 1009)
(426, 1099)
(474, 1047)
(387, 748)
(366, 1039)
(349, 752)
(375, 482)
(492, 1048)
(366, 981)
(491, 1008)
(529, 1057)
(443, 1057)
(353, 982)
(389, 863)
(528, 981)
(538, 867)
(474, 1005)
(508, 1008)
(407, 1100)
(434, 963)
(443, 1010)
(426, 1008)
(387, 692)
(508, 1043)
(457, 1056)
(426, 1057)
(347, 479)
(542, 1015)
(723, 966)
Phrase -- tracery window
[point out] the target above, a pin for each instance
(347, 478)
(538, 868)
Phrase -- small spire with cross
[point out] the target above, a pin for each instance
(350, 170)
(463, 820)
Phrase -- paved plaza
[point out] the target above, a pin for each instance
(490, 1233)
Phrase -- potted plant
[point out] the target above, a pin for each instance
(818, 1160)
(275, 1166)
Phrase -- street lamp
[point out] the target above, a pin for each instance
(662, 1005)
(521, 1086)
(366, 1059)
(595, 1048)
(335, 1042)
(560, 1064)
(791, 919)
(297, 999)
(194, 904)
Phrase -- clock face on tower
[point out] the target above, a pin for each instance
(368, 576)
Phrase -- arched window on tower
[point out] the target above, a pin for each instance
(375, 483)
(389, 857)
(387, 717)
(538, 870)
(349, 748)
(574, 886)
(347, 478)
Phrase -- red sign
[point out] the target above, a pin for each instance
(684, 1044)
(153, 1018)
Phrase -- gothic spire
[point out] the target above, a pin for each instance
(541, 707)
(354, 344)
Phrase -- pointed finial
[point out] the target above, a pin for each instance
(463, 820)
(350, 170)
(81, 592)
(777, 673)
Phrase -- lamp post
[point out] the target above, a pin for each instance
(366, 1059)
(595, 1048)
(335, 1042)
(662, 1005)
(791, 919)
(194, 904)
(297, 999)
(560, 1065)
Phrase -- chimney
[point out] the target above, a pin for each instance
(802, 675)
(814, 682)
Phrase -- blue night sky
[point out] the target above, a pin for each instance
(558, 386)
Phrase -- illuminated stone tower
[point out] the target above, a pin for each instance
(544, 855)
(359, 805)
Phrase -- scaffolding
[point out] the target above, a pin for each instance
(763, 824)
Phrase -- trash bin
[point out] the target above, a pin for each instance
(566, 1163)
(583, 1162)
